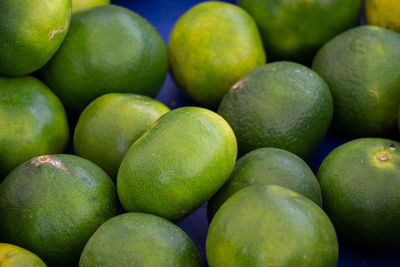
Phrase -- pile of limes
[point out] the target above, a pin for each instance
(84, 75)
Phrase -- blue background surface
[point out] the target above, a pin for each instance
(162, 14)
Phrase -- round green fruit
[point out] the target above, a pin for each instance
(212, 46)
(178, 164)
(282, 104)
(268, 166)
(268, 225)
(111, 124)
(13, 256)
(31, 31)
(33, 122)
(295, 29)
(84, 4)
(108, 49)
(360, 66)
(141, 240)
(360, 191)
(52, 204)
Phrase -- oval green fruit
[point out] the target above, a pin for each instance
(268, 225)
(268, 166)
(295, 29)
(282, 104)
(31, 31)
(108, 49)
(111, 124)
(212, 46)
(141, 240)
(360, 66)
(33, 122)
(178, 164)
(13, 256)
(52, 204)
(360, 191)
(84, 4)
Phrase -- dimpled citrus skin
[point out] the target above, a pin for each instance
(282, 104)
(178, 164)
(31, 31)
(360, 191)
(141, 240)
(295, 29)
(33, 122)
(110, 125)
(383, 13)
(360, 66)
(108, 49)
(212, 46)
(83, 4)
(13, 256)
(268, 166)
(51, 205)
(268, 225)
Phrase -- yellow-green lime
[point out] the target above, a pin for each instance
(178, 164)
(269, 225)
(141, 240)
(111, 124)
(31, 31)
(33, 122)
(212, 46)
(14, 256)
(84, 4)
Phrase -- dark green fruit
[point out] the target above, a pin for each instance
(52, 204)
(268, 166)
(282, 104)
(108, 49)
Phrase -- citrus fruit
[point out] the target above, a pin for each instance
(139, 239)
(268, 166)
(295, 29)
(269, 225)
(383, 13)
(30, 33)
(282, 104)
(178, 164)
(360, 67)
(211, 46)
(110, 125)
(360, 191)
(52, 204)
(108, 49)
(33, 122)
(83, 4)
(13, 256)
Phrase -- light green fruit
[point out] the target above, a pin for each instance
(111, 124)
(83, 4)
(31, 31)
(33, 122)
(268, 225)
(212, 46)
(140, 240)
(178, 164)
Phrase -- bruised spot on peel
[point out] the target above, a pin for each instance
(239, 85)
(48, 159)
(60, 30)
